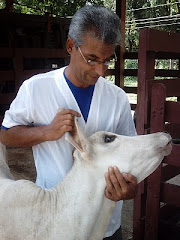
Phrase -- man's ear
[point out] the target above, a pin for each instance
(69, 45)
(77, 138)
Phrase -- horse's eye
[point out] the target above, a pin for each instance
(108, 139)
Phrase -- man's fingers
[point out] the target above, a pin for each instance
(113, 175)
(71, 112)
(68, 122)
(109, 184)
(130, 178)
(62, 122)
(66, 128)
(120, 186)
(107, 193)
(132, 183)
(67, 116)
(120, 178)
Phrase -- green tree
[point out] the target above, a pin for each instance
(111, 4)
(55, 8)
(159, 14)
(2, 4)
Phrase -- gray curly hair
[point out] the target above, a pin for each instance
(96, 20)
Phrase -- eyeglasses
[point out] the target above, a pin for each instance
(93, 62)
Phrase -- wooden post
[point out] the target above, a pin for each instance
(154, 180)
(139, 213)
(119, 66)
(9, 5)
(178, 97)
(146, 71)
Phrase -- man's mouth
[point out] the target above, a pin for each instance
(95, 77)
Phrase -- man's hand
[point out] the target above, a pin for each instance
(28, 136)
(120, 186)
(63, 122)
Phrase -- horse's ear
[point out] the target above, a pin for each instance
(77, 137)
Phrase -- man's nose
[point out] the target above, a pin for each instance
(100, 69)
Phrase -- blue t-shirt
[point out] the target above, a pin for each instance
(83, 97)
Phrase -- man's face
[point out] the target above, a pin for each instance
(82, 74)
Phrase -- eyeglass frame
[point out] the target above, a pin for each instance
(93, 62)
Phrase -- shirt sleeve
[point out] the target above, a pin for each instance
(20, 111)
(125, 122)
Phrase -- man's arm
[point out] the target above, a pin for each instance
(25, 136)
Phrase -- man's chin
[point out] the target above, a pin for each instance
(94, 79)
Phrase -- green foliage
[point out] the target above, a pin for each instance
(145, 13)
(61, 8)
(166, 64)
(111, 4)
(2, 4)
(131, 64)
(139, 14)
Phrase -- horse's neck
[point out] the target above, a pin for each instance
(84, 191)
(81, 179)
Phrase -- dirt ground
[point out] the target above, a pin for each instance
(21, 163)
(22, 166)
(127, 220)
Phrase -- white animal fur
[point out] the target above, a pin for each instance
(76, 209)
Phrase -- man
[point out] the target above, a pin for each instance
(33, 121)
